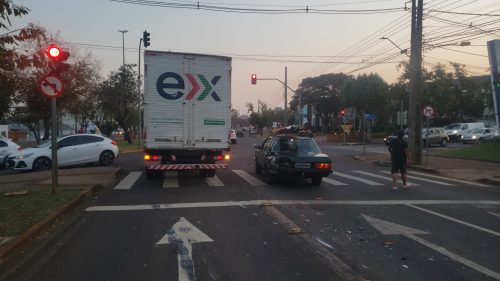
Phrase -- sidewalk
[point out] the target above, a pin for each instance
(467, 170)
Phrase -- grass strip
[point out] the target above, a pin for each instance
(483, 152)
(18, 213)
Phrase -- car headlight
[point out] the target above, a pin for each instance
(23, 156)
(474, 137)
(454, 132)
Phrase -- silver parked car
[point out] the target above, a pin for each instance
(479, 135)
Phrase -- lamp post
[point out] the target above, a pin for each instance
(123, 43)
(403, 51)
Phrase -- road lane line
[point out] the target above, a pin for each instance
(455, 220)
(214, 181)
(450, 179)
(495, 214)
(128, 181)
(332, 181)
(170, 179)
(385, 178)
(369, 182)
(248, 178)
(455, 257)
(423, 179)
(290, 202)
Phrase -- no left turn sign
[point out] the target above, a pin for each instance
(51, 86)
(428, 111)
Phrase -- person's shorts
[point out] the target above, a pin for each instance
(398, 167)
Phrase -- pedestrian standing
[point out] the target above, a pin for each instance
(399, 160)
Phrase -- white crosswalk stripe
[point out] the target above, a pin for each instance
(334, 182)
(214, 181)
(386, 178)
(248, 178)
(369, 182)
(128, 181)
(449, 179)
(170, 179)
(423, 179)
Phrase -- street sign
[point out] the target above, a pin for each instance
(51, 86)
(428, 111)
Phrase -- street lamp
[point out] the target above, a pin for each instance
(403, 51)
(123, 43)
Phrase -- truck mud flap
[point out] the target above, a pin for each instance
(178, 167)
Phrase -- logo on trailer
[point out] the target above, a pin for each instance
(171, 86)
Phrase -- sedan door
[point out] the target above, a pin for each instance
(68, 152)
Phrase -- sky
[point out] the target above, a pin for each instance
(306, 44)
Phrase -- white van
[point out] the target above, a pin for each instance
(455, 131)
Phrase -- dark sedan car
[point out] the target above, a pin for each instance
(290, 155)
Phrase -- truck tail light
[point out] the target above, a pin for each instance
(218, 157)
(148, 157)
(227, 157)
(323, 166)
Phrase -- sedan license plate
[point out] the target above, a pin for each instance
(303, 165)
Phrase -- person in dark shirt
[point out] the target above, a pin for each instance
(399, 159)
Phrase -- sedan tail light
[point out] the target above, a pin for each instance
(114, 142)
(323, 165)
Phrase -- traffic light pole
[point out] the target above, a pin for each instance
(139, 94)
(54, 145)
(286, 89)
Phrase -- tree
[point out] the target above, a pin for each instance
(11, 57)
(322, 91)
(369, 93)
(119, 98)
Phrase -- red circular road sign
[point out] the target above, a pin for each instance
(428, 111)
(51, 86)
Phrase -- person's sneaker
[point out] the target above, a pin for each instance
(406, 186)
(394, 188)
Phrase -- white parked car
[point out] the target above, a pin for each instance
(479, 134)
(72, 150)
(7, 147)
(232, 136)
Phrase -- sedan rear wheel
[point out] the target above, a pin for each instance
(42, 164)
(268, 177)
(258, 169)
(106, 158)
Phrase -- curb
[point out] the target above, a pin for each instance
(21, 239)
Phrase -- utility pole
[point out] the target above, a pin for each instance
(139, 95)
(286, 106)
(415, 100)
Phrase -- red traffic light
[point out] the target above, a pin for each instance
(254, 78)
(56, 54)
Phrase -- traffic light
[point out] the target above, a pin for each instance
(145, 38)
(254, 79)
(58, 57)
(496, 80)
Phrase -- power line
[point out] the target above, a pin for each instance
(227, 9)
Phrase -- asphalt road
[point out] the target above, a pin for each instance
(234, 227)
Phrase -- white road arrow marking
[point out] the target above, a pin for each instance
(184, 234)
(389, 228)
